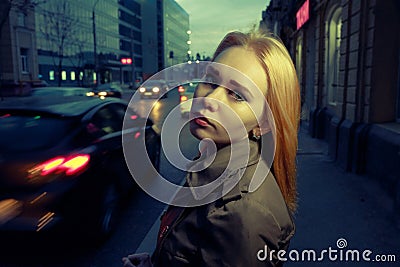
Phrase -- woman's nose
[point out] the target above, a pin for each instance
(210, 101)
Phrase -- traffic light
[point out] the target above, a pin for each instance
(171, 54)
(126, 60)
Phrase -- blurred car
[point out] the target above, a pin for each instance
(108, 90)
(186, 92)
(62, 165)
(60, 91)
(153, 89)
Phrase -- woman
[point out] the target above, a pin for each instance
(244, 226)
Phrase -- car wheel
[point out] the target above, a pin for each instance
(107, 212)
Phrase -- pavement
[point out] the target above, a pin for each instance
(343, 219)
(340, 212)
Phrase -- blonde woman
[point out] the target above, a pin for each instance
(249, 224)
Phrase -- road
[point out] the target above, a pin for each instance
(137, 217)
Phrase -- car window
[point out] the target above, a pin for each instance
(28, 132)
(191, 88)
(105, 121)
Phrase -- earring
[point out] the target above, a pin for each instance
(256, 137)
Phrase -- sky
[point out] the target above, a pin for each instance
(210, 20)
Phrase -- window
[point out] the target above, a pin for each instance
(21, 19)
(24, 60)
(333, 55)
(299, 53)
(51, 75)
(104, 121)
(63, 75)
(81, 75)
(73, 76)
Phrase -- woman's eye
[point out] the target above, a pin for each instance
(236, 96)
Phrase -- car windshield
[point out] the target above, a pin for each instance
(152, 83)
(59, 92)
(23, 132)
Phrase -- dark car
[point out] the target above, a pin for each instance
(62, 164)
(153, 89)
(186, 92)
(60, 91)
(108, 90)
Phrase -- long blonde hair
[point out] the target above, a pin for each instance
(283, 97)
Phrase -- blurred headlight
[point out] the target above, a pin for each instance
(102, 93)
(156, 89)
(89, 94)
(183, 98)
(142, 89)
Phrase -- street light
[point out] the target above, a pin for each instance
(189, 42)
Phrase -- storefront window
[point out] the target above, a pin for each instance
(333, 55)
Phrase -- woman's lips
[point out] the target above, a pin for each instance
(201, 121)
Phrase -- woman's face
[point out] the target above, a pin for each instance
(229, 107)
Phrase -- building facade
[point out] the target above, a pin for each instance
(151, 25)
(82, 43)
(18, 64)
(175, 33)
(347, 55)
(165, 34)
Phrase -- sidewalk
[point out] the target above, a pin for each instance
(334, 204)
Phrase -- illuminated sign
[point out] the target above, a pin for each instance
(303, 14)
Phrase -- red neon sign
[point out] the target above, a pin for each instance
(303, 14)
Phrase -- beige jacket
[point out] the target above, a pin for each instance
(239, 229)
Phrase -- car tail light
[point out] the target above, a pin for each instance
(67, 165)
(5, 116)
(181, 89)
(183, 98)
(137, 135)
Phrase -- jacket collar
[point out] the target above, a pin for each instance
(224, 172)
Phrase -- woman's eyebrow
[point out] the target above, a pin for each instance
(213, 71)
(243, 88)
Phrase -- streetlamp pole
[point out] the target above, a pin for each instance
(95, 59)
(132, 54)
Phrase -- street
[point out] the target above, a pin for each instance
(138, 215)
(333, 205)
